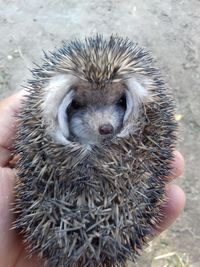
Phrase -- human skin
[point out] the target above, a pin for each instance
(12, 251)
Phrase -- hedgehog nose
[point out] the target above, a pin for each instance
(106, 129)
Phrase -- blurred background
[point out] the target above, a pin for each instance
(171, 31)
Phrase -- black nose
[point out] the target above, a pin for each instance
(106, 129)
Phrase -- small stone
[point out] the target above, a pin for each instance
(9, 57)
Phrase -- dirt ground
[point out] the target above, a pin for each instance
(171, 30)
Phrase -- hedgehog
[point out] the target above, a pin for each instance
(95, 138)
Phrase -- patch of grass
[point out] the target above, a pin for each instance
(161, 253)
(171, 259)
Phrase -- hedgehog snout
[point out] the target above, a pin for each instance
(106, 129)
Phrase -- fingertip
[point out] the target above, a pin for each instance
(9, 108)
(177, 165)
(175, 202)
(16, 99)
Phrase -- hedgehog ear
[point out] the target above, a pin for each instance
(136, 94)
(57, 97)
(62, 114)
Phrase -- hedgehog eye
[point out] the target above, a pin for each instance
(73, 107)
(122, 101)
(76, 105)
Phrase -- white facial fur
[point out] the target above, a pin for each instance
(59, 95)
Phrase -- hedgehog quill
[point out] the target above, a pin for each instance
(95, 139)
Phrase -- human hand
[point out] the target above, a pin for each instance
(12, 251)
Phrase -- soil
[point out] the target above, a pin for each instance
(170, 30)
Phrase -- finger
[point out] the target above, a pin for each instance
(13, 161)
(9, 108)
(177, 165)
(172, 208)
(8, 238)
(24, 261)
(5, 156)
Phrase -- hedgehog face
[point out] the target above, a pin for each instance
(93, 123)
(89, 113)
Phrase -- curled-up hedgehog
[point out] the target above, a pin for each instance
(95, 139)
